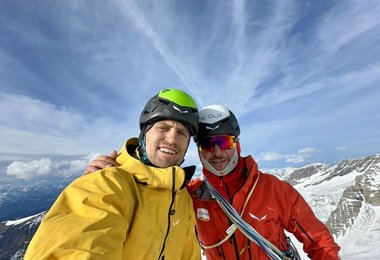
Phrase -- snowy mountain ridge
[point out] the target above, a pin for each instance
(346, 197)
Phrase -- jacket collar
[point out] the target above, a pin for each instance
(241, 176)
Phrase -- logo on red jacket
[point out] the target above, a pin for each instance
(202, 214)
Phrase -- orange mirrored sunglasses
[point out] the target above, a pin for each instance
(224, 142)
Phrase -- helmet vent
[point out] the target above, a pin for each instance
(166, 102)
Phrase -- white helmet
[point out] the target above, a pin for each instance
(217, 120)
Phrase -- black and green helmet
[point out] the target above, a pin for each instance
(172, 104)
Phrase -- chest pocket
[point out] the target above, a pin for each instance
(265, 221)
(268, 223)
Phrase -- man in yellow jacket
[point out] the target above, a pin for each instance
(138, 210)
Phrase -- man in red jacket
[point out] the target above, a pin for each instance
(264, 202)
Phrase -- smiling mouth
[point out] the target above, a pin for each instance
(218, 160)
(167, 151)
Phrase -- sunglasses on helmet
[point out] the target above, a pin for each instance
(224, 142)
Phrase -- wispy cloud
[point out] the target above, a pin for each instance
(336, 85)
(38, 116)
(258, 63)
(299, 157)
(240, 19)
(34, 126)
(347, 21)
(341, 148)
(173, 62)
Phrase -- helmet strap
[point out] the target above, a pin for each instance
(229, 167)
(142, 145)
(142, 151)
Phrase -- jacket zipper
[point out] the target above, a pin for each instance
(169, 214)
(249, 249)
(303, 230)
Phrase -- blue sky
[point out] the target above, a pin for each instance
(301, 76)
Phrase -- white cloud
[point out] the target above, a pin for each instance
(271, 156)
(28, 170)
(299, 157)
(70, 168)
(45, 167)
(341, 148)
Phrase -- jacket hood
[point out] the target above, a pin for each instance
(150, 175)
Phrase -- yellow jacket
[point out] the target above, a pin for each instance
(133, 211)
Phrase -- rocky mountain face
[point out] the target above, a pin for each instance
(299, 175)
(16, 235)
(358, 199)
(22, 203)
(345, 196)
(364, 189)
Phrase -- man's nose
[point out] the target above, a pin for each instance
(171, 136)
(216, 150)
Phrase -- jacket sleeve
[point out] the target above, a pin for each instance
(308, 229)
(89, 220)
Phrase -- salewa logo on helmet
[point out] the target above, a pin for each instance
(181, 111)
(212, 128)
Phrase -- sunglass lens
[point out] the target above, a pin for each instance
(224, 142)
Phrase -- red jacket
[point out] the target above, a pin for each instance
(274, 206)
